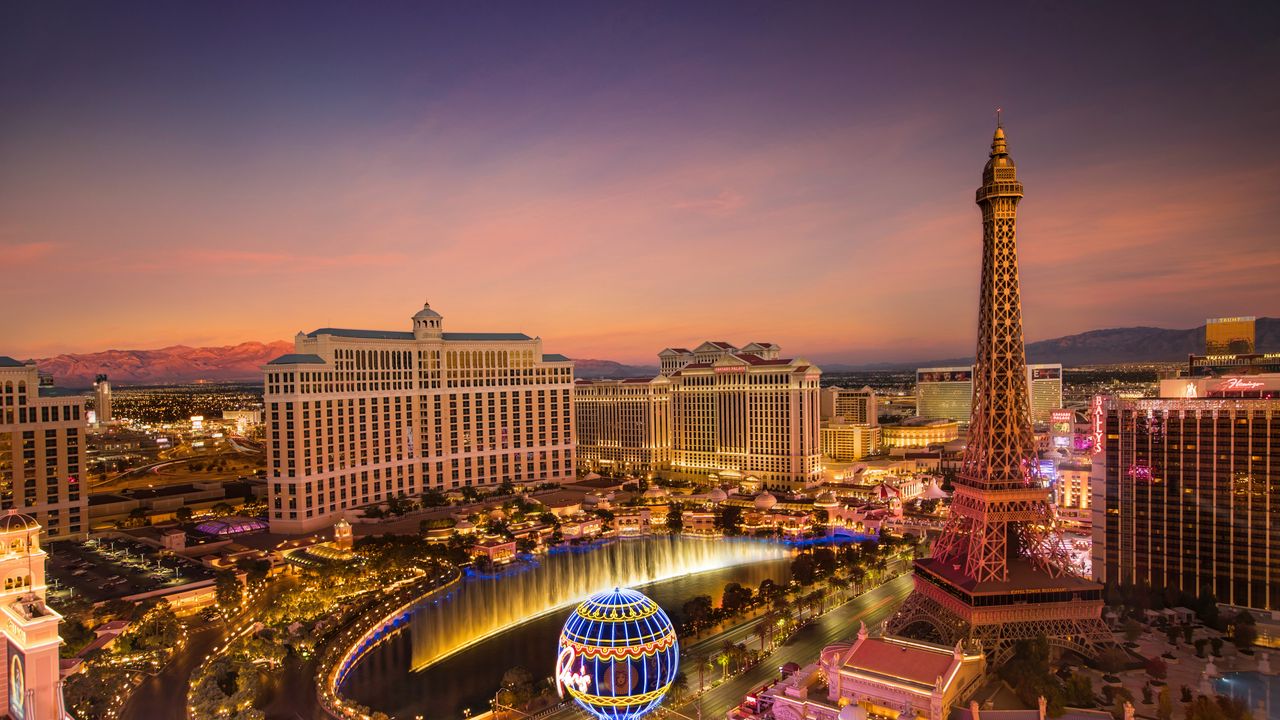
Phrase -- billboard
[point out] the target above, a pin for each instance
(1052, 373)
(17, 684)
(944, 376)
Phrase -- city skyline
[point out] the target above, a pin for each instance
(674, 173)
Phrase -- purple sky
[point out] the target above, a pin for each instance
(622, 177)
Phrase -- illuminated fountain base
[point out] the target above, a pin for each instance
(482, 606)
(385, 678)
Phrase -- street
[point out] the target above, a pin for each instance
(163, 696)
(802, 649)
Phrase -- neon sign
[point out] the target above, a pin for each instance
(1098, 417)
(1240, 384)
(565, 675)
(1140, 472)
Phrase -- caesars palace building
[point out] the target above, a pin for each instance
(355, 417)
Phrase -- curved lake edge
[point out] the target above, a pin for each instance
(395, 669)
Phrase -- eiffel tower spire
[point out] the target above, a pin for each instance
(999, 556)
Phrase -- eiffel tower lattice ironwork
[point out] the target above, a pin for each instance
(999, 572)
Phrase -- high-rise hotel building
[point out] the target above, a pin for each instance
(858, 407)
(41, 445)
(738, 413)
(729, 412)
(623, 426)
(355, 417)
(947, 393)
(1186, 489)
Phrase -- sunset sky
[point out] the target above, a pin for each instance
(621, 177)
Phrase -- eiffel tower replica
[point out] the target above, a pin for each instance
(1000, 572)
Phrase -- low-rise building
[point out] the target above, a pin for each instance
(494, 549)
(847, 442)
(920, 432)
(877, 677)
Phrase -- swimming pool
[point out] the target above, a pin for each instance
(1255, 689)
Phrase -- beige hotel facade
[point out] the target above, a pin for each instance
(717, 411)
(41, 445)
(355, 417)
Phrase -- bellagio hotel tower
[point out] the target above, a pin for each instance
(356, 417)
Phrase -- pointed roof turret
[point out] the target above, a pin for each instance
(426, 312)
(999, 146)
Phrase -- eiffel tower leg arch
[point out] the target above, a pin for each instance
(921, 617)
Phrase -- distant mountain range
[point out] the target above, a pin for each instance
(611, 369)
(181, 364)
(178, 364)
(1107, 347)
(243, 362)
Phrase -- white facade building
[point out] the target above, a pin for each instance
(102, 400)
(41, 442)
(355, 417)
(623, 426)
(859, 407)
(717, 412)
(744, 415)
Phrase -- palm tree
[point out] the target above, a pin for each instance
(729, 652)
(761, 630)
(740, 653)
(703, 662)
(679, 687)
(858, 574)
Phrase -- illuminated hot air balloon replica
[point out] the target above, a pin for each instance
(618, 655)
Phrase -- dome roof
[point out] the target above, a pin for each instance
(825, 498)
(426, 312)
(14, 521)
(717, 495)
(766, 501)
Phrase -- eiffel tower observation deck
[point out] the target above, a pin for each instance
(999, 571)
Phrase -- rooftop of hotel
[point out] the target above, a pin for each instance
(753, 360)
(297, 359)
(916, 662)
(924, 422)
(408, 335)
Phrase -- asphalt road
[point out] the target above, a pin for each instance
(802, 648)
(163, 696)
